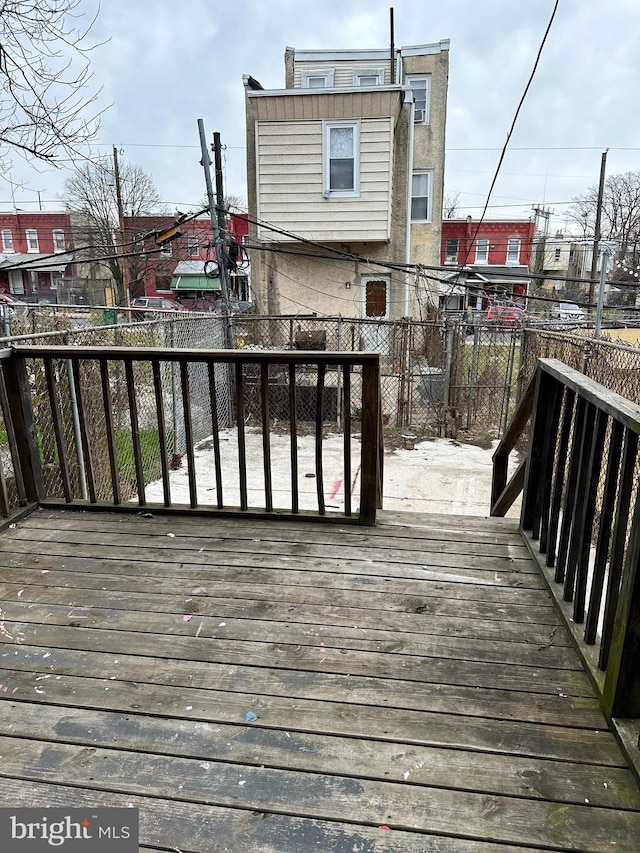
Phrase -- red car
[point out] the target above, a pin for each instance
(145, 307)
(508, 315)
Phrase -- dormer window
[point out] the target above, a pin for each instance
(319, 78)
(368, 77)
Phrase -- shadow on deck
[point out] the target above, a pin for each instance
(413, 686)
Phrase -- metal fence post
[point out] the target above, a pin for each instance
(448, 368)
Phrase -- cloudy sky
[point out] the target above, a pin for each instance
(164, 65)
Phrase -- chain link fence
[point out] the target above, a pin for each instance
(614, 365)
(438, 378)
(191, 332)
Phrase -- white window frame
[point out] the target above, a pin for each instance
(422, 115)
(326, 73)
(378, 73)
(429, 196)
(7, 240)
(31, 236)
(513, 242)
(482, 257)
(59, 243)
(327, 127)
(451, 257)
(193, 243)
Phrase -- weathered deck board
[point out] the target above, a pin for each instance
(413, 676)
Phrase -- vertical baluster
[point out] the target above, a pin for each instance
(266, 444)
(572, 489)
(620, 528)
(293, 438)
(604, 532)
(550, 444)
(346, 430)
(84, 433)
(216, 432)
(319, 424)
(242, 448)
(558, 481)
(162, 432)
(54, 403)
(109, 431)
(592, 478)
(577, 505)
(188, 433)
(135, 430)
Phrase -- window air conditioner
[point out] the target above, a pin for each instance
(418, 116)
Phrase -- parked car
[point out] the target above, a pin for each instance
(508, 315)
(148, 306)
(568, 312)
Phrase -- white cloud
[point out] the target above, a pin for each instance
(166, 65)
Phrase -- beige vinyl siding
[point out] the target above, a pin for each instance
(343, 71)
(290, 183)
(310, 104)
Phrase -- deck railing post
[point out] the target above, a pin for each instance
(370, 472)
(621, 694)
(19, 399)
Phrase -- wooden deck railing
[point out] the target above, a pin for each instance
(581, 513)
(96, 426)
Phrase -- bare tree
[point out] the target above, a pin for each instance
(620, 219)
(450, 205)
(91, 195)
(46, 107)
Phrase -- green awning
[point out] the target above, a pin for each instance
(195, 282)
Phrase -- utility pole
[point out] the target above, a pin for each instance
(601, 290)
(540, 238)
(596, 235)
(122, 295)
(217, 223)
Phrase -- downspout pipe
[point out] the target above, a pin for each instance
(407, 247)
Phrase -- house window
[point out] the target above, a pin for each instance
(7, 240)
(513, 250)
(557, 253)
(16, 282)
(421, 196)
(193, 247)
(421, 88)
(58, 241)
(56, 279)
(163, 280)
(317, 79)
(451, 254)
(482, 251)
(369, 77)
(32, 240)
(341, 158)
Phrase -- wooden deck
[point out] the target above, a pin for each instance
(412, 686)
